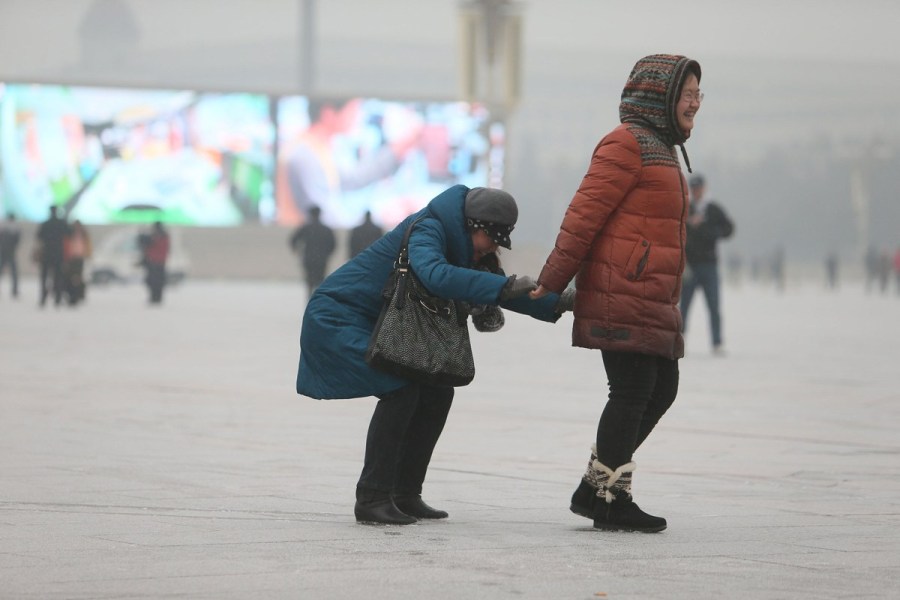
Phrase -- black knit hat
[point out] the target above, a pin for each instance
(493, 211)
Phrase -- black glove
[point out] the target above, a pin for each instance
(517, 287)
(566, 301)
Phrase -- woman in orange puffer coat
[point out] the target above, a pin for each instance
(622, 239)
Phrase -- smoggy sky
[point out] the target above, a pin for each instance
(836, 29)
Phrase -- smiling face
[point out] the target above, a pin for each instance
(688, 104)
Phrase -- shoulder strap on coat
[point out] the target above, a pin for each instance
(403, 258)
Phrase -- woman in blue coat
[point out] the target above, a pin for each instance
(461, 227)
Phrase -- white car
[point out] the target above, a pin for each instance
(117, 257)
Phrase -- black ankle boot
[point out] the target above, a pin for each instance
(413, 505)
(584, 499)
(623, 514)
(374, 507)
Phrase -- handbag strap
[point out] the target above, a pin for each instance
(401, 266)
(403, 257)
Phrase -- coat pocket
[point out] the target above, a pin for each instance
(638, 261)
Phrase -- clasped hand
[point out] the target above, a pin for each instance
(516, 287)
(566, 300)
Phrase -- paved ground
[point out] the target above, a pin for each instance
(162, 453)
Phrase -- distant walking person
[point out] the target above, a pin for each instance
(314, 243)
(777, 267)
(155, 252)
(871, 266)
(364, 235)
(897, 269)
(9, 245)
(885, 266)
(76, 249)
(707, 223)
(831, 271)
(51, 236)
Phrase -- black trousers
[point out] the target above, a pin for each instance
(10, 261)
(51, 270)
(403, 431)
(156, 281)
(641, 390)
(315, 275)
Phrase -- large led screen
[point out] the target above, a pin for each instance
(352, 156)
(108, 155)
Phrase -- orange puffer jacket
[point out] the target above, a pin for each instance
(624, 234)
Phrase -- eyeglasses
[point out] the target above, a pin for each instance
(691, 96)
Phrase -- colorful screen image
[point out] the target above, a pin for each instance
(352, 156)
(109, 155)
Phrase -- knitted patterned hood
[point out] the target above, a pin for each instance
(652, 91)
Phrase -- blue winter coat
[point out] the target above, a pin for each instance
(341, 314)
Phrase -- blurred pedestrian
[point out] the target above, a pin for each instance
(313, 242)
(51, 236)
(458, 231)
(897, 269)
(10, 235)
(364, 235)
(735, 268)
(707, 224)
(623, 235)
(831, 271)
(777, 268)
(870, 263)
(885, 267)
(155, 248)
(76, 249)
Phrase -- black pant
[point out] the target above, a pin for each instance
(10, 260)
(52, 270)
(156, 281)
(705, 275)
(641, 389)
(403, 431)
(315, 275)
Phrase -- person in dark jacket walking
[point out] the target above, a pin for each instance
(51, 237)
(9, 245)
(622, 238)
(155, 248)
(461, 228)
(314, 243)
(706, 226)
(364, 235)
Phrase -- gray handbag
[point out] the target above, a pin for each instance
(419, 336)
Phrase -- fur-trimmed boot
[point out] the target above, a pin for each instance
(585, 496)
(615, 509)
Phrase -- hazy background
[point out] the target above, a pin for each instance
(800, 117)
